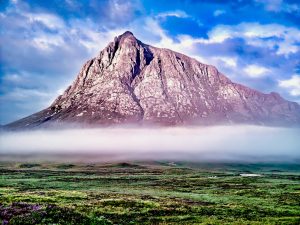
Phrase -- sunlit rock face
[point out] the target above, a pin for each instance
(132, 82)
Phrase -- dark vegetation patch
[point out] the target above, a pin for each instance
(29, 165)
(65, 166)
(127, 165)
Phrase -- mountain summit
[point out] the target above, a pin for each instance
(132, 82)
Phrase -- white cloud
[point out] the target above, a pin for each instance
(279, 6)
(292, 84)
(292, 8)
(176, 13)
(271, 5)
(219, 12)
(255, 71)
(47, 42)
(227, 61)
(287, 48)
(50, 20)
(274, 36)
(121, 10)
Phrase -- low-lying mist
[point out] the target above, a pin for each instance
(218, 143)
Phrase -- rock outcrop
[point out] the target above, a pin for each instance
(131, 82)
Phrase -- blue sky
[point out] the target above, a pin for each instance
(43, 44)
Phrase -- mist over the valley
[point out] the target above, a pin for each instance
(217, 143)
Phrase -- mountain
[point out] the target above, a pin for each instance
(132, 82)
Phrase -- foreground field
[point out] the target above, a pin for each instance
(149, 193)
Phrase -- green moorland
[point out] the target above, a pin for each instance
(149, 193)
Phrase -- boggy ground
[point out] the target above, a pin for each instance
(149, 193)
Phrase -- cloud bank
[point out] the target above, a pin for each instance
(219, 143)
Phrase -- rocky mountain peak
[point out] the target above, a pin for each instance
(126, 37)
(132, 82)
(127, 34)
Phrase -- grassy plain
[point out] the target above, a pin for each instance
(149, 193)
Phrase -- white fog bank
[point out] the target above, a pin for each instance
(245, 143)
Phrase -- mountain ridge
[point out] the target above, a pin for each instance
(132, 82)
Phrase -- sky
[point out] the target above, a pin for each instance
(43, 44)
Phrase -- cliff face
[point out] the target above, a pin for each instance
(131, 82)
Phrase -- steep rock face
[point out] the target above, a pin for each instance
(131, 82)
